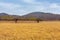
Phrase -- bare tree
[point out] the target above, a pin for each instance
(37, 20)
(16, 20)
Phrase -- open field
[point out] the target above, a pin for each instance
(46, 30)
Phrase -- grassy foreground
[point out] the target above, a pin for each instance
(30, 31)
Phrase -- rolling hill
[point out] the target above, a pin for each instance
(43, 16)
(40, 15)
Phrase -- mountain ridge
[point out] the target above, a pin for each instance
(40, 15)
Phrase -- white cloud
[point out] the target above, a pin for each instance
(54, 5)
(32, 6)
(28, 1)
(11, 8)
(9, 5)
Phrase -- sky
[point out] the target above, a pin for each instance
(22, 7)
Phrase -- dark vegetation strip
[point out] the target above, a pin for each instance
(21, 20)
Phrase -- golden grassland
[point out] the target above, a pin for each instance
(46, 30)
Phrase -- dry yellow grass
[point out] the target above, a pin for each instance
(30, 31)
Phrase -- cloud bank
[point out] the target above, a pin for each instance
(27, 6)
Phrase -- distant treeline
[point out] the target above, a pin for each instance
(20, 19)
(37, 20)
